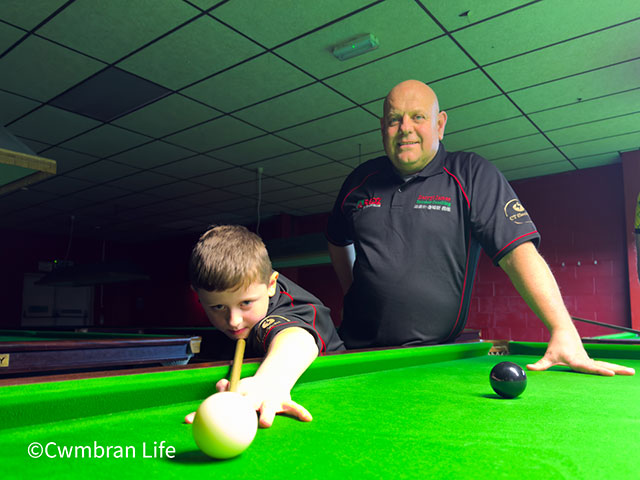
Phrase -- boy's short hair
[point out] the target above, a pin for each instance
(228, 257)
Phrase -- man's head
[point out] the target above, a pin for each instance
(412, 126)
(231, 272)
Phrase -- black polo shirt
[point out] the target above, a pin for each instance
(293, 306)
(417, 245)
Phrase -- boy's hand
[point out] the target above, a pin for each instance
(267, 401)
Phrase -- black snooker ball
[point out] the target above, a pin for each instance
(508, 379)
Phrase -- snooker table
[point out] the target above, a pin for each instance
(29, 351)
(421, 412)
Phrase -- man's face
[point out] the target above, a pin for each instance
(412, 127)
(235, 312)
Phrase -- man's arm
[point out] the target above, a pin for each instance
(533, 279)
(342, 259)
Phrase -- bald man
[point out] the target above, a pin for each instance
(405, 236)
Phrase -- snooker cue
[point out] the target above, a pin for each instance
(615, 327)
(236, 368)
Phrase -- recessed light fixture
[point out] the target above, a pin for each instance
(355, 47)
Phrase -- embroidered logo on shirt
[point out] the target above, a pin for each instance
(370, 202)
(516, 213)
(272, 321)
(434, 202)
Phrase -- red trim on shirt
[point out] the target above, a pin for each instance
(466, 267)
(288, 296)
(512, 241)
(464, 286)
(313, 325)
(459, 185)
(355, 188)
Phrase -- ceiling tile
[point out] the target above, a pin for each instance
(62, 185)
(585, 86)
(198, 45)
(540, 24)
(101, 193)
(509, 148)
(224, 178)
(109, 94)
(208, 197)
(454, 14)
(314, 52)
(192, 167)
(29, 14)
(618, 143)
(495, 132)
(317, 174)
(151, 155)
(292, 17)
(480, 113)
(463, 89)
(102, 171)
(167, 115)
(135, 200)
(539, 170)
(588, 110)
(287, 163)
(357, 146)
(25, 66)
(593, 51)
(177, 189)
(13, 107)
(296, 107)
(52, 125)
(20, 199)
(254, 150)
(269, 184)
(214, 134)
(34, 144)
(105, 141)
(143, 181)
(597, 129)
(340, 125)
(8, 36)
(550, 155)
(299, 194)
(67, 160)
(67, 203)
(113, 29)
(597, 160)
(276, 77)
(429, 62)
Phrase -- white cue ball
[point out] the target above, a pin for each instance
(225, 425)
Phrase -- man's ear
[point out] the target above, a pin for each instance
(273, 282)
(442, 121)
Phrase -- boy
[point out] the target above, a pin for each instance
(231, 272)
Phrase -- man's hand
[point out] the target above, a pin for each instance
(564, 349)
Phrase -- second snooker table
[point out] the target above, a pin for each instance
(30, 351)
(422, 412)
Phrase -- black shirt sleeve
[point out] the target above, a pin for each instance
(498, 219)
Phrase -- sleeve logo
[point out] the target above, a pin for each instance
(516, 213)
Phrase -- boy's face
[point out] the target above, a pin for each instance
(235, 312)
